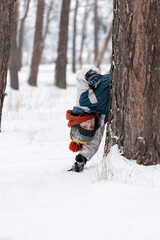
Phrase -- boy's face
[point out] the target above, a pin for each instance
(89, 124)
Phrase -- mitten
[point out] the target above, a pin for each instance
(78, 166)
(93, 79)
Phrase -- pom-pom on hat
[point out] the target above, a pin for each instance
(74, 147)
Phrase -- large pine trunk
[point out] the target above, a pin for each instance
(135, 103)
(62, 46)
(37, 47)
(6, 19)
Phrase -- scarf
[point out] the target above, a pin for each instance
(82, 117)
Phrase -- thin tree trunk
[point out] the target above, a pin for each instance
(37, 47)
(21, 35)
(47, 23)
(62, 46)
(83, 32)
(95, 30)
(13, 62)
(105, 46)
(135, 101)
(7, 8)
(74, 38)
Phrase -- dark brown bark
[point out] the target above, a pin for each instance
(14, 55)
(95, 30)
(74, 38)
(6, 19)
(105, 46)
(21, 35)
(62, 46)
(37, 47)
(135, 80)
(83, 32)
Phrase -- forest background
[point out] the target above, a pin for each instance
(87, 29)
(114, 198)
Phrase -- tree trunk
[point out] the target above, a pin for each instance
(62, 46)
(37, 47)
(135, 77)
(74, 38)
(83, 32)
(21, 35)
(48, 20)
(105, 46)
(95, 30)
(13, 61)
(6, 19)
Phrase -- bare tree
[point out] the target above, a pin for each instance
(135, 77)
(74, 38)
(37, 47)
(6, 20)
(105, 46)
(13, 61)
(21, 34)
(83, 32)
(95, 30)
(62, 46)
(48, 20)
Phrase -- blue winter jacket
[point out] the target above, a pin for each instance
(96, 100)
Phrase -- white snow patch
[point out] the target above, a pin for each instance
(40, 200)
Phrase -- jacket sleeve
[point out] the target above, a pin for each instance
(81, 82)
(91, 148)
(82, 85)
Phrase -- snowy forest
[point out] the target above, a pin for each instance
(55, 54)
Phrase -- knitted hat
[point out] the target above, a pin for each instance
(78, 134)
(81, 135)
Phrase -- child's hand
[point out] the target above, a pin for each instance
(93, 78)
(79, 164)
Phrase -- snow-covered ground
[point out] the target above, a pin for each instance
(40, 200)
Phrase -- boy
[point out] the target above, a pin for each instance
(88, 117)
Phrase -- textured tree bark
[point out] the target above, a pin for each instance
(37, 47)
(135, 103)
(6, 19)
(74, 38)
(14, 53)
(62, 46)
